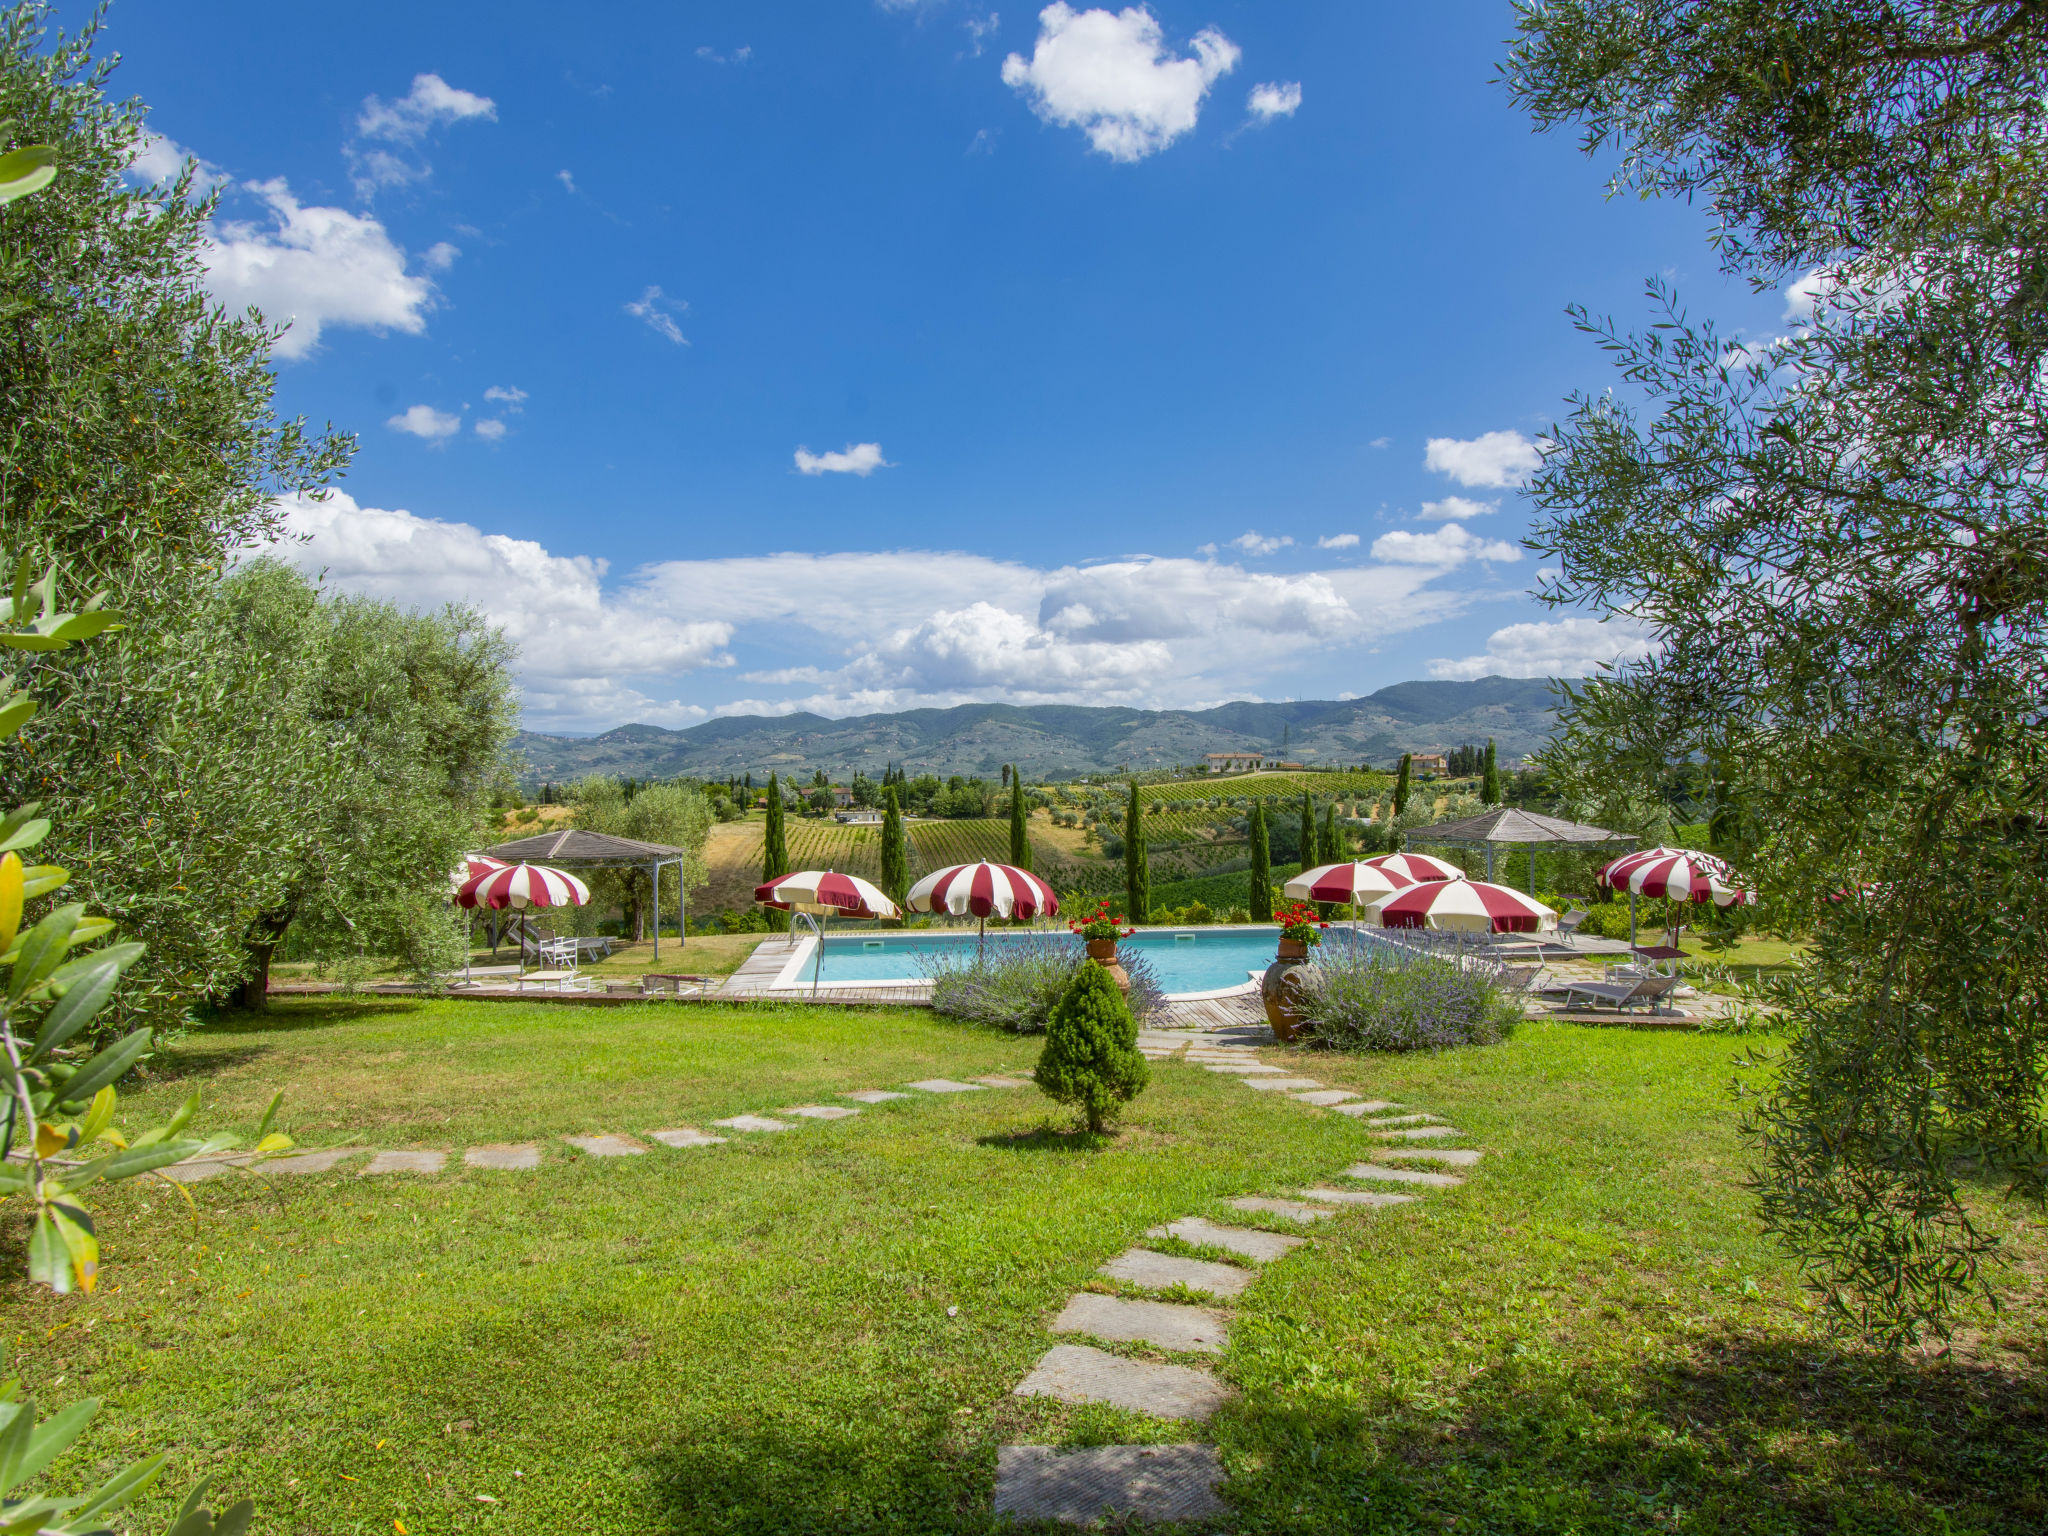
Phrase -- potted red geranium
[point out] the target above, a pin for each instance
(1299, 928)
(1280, 988)
(1101, 929)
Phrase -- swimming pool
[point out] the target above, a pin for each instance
(1187, 961)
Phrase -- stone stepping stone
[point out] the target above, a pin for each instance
(1259, 1247)
(505, 1156)
(1004, 1082)
(1281, 1084)
(1457, 1157)
(606, 1145)
(874, 1095)
(1245, 1067)
(1419, 1133)
(195, 1172)
(1164, 1323)
(1358, 1196)
(1146, 1482)
(1325, 1096)
(309, 1162)
(821, 1111)
(1158, 1271)
(1369, 1107)
(686, 1136)
(1293, 1210)
(1075, 1373)
(946, 1085)
(1402, 1176)
(753, 1123)
(1393, 1120)
(405, 1162)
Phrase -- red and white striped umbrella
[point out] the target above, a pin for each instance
(1416, 867)
(523, 885)
(1464, 906)
(983, 890)
(825, 891)
(1357, 883)
(1676, 874)
(469, 867)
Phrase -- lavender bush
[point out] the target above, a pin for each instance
(1013, 982)
(1374, 994)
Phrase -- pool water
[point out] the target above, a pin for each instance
(1184, 959)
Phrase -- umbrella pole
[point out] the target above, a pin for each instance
(1631, 919)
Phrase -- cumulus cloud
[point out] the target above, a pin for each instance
(1110, 74)
(158, 159)
(1274, 99)
(1252, 542)
(580, 646)
(423, 421)
(861, 459)
(440, 256)
(1447, 546)
(1576, 647)
(510, 396)
(491, 430)
(1491, 460)
(652, 308)
(385, 149)
(315, 267)
(1457, 509)
(1338, 541)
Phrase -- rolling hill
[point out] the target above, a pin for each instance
(1064, 741)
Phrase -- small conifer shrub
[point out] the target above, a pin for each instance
(1091, 1049)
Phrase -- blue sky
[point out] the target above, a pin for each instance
(854, 355)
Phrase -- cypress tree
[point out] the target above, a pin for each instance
(1091, 1048)
(1308, 833)
(895, 866)
(1020, 836)
(1401, 782)
(1489, 785)
(1262, 867)
(1327, 851)
(1137, 869)
(775, 851)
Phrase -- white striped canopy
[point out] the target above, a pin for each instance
(469, 867)
(1417, 866)
(1357, 883)
(1464, 906)
(983, 890)
(825, 891)
(523, 885)
(1676, 874)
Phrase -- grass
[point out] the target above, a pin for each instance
(1589, 1335)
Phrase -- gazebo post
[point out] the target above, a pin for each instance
(654, 903)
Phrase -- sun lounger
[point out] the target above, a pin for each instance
(1625, 995)
(1518, 980)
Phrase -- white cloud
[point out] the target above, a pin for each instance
(861, 459)
(1379, 442)
(315, 267)
(510, 396)
(158, 159)
(1110, 75)
(1338, 541)
(567, 181)
(1448, 546)
(653, 307)
(579, 645)
(1252, 542)
(431, 101)
(1274, 99)
(1576, 647)
(712, 56)
(1456, 508)
(423, 421)
(491, 430)
(440, 256)
(1493, 459)
(980, 31)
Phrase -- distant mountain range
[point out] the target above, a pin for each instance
(1058, 741)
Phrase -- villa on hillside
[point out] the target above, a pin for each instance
(1234, 762)
(1429, 762)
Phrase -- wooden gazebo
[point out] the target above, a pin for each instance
(1505, 824)
(578, 849)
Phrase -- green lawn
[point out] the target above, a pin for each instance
(1588, 1336)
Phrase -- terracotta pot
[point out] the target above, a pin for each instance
(1103, 953)
(1280, 989)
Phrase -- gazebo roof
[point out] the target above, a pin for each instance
(576, 846)
(1505, 824)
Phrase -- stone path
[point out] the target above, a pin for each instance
(1180, 1482)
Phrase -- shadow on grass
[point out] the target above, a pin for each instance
(297, 1016)
(1050, 1137)
(1744, 1435)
